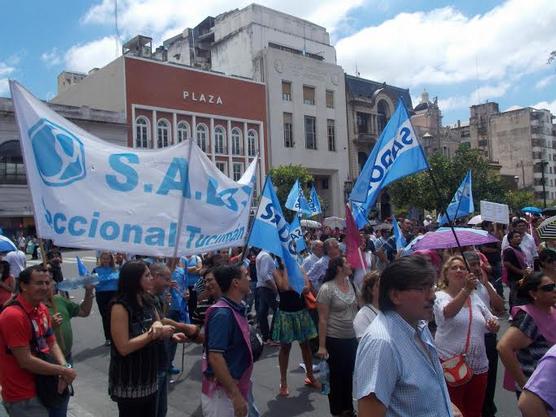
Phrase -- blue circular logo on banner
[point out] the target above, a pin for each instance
(59, 154)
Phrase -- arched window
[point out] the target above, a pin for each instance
(142, 133)
(236, 141)
(162, 133)
(219, 140)
(183, 131)
(252, 142)
(383, 110)
(202, 133)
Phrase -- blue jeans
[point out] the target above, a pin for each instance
(265, 301)
(26, 408)
(61, 411)
(162, 394)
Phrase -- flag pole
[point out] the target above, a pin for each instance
(251, 221)
(450, 223)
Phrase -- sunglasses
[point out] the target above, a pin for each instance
(548, 287)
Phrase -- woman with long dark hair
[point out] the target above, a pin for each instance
(533, 329)
(337, 306)
(136, 332)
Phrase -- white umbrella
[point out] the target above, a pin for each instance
(334, 222)
(475, 220)
(311, 224)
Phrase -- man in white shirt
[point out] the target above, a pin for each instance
(317, 250)
(266, 291)
(527, 245)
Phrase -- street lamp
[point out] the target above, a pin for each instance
(543, 164)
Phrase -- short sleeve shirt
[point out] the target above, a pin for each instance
(541, 381)
(342, 309)
(529, 356)
(68, 309)
(15, 332)
(265, 268)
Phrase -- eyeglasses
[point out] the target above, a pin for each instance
(547, 287)
(423, 288)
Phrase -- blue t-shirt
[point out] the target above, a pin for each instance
(178, 303)
(223, 335)
(193, 261)
(107, 278)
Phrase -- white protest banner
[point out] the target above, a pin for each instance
(495, 212)
(88, 193)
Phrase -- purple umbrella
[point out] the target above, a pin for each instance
(443, 238)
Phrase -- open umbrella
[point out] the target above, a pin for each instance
(550, 211)
(532, 210)
(547, 229)
(334, 222)
(311, 224)
(443, 238)
(475, 220)
(6, 245)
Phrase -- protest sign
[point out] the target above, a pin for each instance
(495, 212)
(88, 193)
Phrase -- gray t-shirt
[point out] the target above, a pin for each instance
(342, 309)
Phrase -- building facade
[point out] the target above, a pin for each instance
(521, 142)
(304, 86)
(166, 103)
(16, 209)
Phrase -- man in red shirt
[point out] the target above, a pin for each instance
(18, 365)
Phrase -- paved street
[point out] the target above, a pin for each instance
(91, 362)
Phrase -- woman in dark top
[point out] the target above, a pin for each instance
(533, 329)
(293, 323)
(515, 264)
(137, 334)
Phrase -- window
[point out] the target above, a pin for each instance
(288, 130)
(310, 132)
(383, 115)
(286, 91)
(251, 142)
(202, 133)
(142, 133)
(331, 130)
(330, 99)
(183, 131)
(222, 166)
(236, 141)
(219, 140)
(12, 170)
(309, 95)
(162, 129)
(363, 122)
(237, 171)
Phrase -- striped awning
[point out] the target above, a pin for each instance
(547, 229)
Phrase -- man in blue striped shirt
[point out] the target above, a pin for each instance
(397, 370)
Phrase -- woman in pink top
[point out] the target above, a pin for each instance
(7, 282)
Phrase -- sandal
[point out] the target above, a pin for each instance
(312, 383)
(283, 391)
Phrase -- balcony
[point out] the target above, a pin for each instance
(365, 138)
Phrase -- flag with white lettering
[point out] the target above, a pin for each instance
(396, 154)
(89, 193)
(462, 202)
(296, 200)
(297, 235)
(314, 203)
(271, 232)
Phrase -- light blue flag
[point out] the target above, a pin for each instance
(296, 201)
(396, 154)
(462, 202)
(314, 203)
(270, 231)
(398, 236)
(81, 268)
(296, 234)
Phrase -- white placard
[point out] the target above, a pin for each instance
(88, 193)
(495, 212)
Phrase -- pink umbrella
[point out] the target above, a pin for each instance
(443, 238)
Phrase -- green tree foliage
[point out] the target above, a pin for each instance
(418, 190)
(283, 178)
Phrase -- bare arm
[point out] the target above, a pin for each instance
(454, 306)
(87, 303)
(370, 406)
(281, 279)
(222, 374)
(37, 366)
(531, 405)
(512, 341)
(324, 312)
(509, 266)
(496, 302)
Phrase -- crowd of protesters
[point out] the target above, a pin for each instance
(387, 329)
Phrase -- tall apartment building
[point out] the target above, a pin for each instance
(522, 142)
(305, 89)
